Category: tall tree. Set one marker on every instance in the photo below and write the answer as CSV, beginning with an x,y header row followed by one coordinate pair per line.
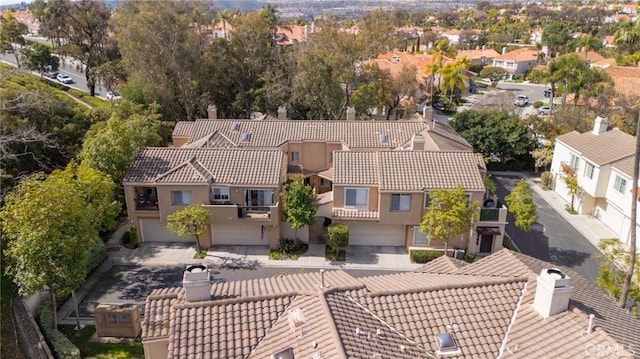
x,y
298,202
449,216
556,36
494,74
521,206
191,221
573,187
49,223
12,34
38,57
82,28
612,276
453,78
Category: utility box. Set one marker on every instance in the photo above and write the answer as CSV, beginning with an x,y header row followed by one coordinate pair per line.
x,y
117,320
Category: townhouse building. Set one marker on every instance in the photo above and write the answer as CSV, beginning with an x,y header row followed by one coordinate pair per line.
x,y
602,162
374,176
517,61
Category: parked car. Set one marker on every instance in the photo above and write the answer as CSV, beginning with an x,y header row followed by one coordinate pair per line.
x,y
440,106
52,74
521,101
64,78
547,93
545,110
113,95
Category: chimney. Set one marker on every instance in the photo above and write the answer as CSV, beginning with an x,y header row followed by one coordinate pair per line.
x,y
552,292
351,114
417,142
196,283
504,50
600,125
282,113
212,112
427,113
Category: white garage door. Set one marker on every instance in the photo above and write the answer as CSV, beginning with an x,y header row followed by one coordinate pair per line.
x,y
371,234
153,230
612,217
241,235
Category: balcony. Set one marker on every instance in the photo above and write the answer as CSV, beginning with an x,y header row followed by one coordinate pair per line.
x,y
144,203
225,212
493,212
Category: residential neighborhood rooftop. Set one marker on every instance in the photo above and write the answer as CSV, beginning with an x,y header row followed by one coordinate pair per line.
x,y
487,307
603,148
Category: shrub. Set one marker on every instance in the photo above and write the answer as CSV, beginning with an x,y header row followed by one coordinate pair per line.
x,y
546,179
537,104
288,249
423,255
338,236
97,255
130,239
334,255
62,347
469,257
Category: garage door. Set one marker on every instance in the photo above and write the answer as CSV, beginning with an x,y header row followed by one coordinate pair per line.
x,y
371,234
241,235
611,216
153,230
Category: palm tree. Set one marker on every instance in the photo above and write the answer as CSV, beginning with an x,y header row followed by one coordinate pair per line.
x,y
440,50
627,38
454,78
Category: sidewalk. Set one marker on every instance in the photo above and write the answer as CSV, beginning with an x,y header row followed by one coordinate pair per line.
x,y
590,227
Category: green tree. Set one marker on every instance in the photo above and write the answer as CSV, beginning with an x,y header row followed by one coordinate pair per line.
x,y
615,264
495,134
82,27
543,156
49,232
521,206
383,89
449,216
191,220
556,36
494,74
627,38
573,188
12,34
338,236
298,202
110,147
38,57
453,78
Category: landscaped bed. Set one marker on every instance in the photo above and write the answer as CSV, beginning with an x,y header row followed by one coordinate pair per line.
x,y
80,338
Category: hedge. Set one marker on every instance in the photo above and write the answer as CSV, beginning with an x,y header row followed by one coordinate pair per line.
x,y
97,254
423,255
61,347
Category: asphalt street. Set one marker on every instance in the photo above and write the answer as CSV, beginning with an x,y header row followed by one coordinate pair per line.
x,y
552,238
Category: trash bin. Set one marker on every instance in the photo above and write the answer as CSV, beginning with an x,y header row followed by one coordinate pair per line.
x,y
458,254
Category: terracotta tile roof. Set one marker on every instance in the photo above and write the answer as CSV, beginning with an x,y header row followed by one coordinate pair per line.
x,y
409,171
341,213
183,129
442,137
522,54
487,305
626,79
442,265
214,140
590,56
188,165
601,149
478,54
327,173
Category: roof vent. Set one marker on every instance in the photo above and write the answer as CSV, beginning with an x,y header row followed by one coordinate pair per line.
x,y
235,126
196,283
447,345
283,354
552,292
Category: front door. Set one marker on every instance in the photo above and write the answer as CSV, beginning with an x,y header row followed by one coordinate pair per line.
x,y
486,243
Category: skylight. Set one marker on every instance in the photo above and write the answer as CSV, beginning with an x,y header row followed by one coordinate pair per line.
x,y
283,354
384,138
235,126
447,344
246,137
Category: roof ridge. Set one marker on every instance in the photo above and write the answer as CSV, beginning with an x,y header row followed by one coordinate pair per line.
x,y
198,166
332,324
485,281
240,299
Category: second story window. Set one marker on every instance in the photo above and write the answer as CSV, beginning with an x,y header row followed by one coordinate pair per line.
x,y
620,184
400,202
589,170
427,200
356,197
181,197
295,156
220,194
575,162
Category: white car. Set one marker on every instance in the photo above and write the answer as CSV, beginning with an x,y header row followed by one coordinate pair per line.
x,y
64,78
113,95
546,110
521,101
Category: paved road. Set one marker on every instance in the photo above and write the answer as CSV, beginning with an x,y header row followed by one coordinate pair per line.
x,y
552,239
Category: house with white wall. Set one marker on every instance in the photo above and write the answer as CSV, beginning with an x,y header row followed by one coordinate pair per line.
x,y
602,162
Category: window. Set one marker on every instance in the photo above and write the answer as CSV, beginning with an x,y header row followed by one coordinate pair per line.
x,y
589,171
125,318
113,318
324,182
575,162
400,202
330,157
259,197
427,200
356,197
181,197
220,194
295,156
620,184
419,238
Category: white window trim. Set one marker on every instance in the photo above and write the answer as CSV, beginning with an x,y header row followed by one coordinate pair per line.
x,y
589,166
182,202
618,182
222,190
356,205
295,156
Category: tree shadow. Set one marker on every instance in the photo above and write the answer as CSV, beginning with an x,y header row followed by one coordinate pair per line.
x,y
567,257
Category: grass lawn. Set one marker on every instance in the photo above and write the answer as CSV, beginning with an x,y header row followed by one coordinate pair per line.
x,y
80,338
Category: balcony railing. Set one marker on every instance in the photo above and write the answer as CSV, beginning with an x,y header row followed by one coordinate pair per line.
x,y
146,204
489,214
233,211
